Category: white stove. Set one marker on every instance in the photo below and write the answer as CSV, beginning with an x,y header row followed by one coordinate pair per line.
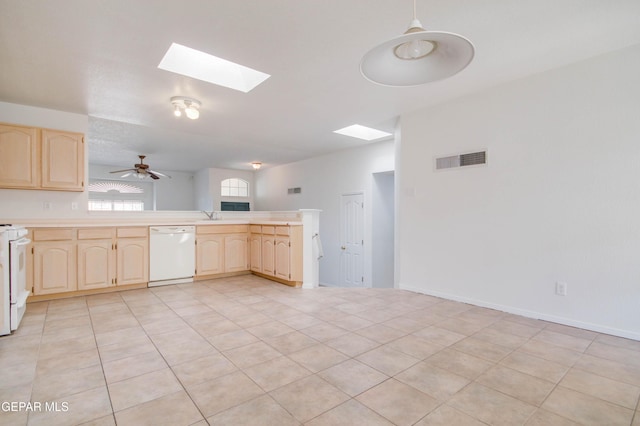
x,y
13,276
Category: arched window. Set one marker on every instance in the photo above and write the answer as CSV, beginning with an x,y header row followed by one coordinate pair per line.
x,y
117,195
234,187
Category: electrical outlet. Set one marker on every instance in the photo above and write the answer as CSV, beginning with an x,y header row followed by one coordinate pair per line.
x,y
561,288
46,205
74,206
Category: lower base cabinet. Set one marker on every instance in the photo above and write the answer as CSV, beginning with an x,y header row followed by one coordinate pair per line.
x,y
236,253
132,261
280,252
78,259
65,260
221,249
255,250
54,267
209,254
96,265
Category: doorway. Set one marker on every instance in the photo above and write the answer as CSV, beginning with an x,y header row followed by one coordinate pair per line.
x,y
352,240
383,221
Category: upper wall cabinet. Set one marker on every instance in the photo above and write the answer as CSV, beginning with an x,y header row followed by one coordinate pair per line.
x,y
33,158
62,160
19,157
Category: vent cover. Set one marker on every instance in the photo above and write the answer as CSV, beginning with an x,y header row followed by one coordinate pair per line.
x,y
297,190
461,160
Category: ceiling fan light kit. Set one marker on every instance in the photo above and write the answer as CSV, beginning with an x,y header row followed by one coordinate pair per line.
x,y
141,171
190,107
417,57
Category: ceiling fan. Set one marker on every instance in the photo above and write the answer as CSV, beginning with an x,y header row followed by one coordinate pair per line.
x,y
141,171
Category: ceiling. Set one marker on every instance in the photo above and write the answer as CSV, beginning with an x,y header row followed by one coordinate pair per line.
x,y
100,58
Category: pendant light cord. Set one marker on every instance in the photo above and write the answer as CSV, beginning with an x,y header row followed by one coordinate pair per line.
x,y
415,14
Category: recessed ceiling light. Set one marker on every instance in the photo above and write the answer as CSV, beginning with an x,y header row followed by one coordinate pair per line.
x,y
202,66
362,132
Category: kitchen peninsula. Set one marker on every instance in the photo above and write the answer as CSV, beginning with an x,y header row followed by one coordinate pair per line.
x,y
110,251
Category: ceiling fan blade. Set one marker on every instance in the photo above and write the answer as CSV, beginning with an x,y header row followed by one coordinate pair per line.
x,y
153,176
127,174
125,170
159,174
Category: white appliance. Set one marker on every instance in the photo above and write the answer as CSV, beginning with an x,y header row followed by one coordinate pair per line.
x,y
172,254
13,277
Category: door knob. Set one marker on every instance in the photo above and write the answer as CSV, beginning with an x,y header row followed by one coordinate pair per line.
x,y
343,248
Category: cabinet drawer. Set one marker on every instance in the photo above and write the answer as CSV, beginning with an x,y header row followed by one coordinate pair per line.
x,y
270,230
222,229
95,233
255,229
282,230
53,234
133,232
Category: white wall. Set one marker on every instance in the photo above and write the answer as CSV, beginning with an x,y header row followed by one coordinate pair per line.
x,y
207,184
323,179
558,201
17,203
383,217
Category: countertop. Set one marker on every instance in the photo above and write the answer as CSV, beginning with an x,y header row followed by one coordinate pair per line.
x,y
104,223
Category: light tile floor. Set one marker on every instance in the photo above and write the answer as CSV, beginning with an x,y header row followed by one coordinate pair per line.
x,y
247,351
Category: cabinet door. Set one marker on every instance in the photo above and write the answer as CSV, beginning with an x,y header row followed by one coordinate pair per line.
x,y
62,160
282,258
236,248
132,261
209,255
19,165
255,250
96,264
55,267
268,255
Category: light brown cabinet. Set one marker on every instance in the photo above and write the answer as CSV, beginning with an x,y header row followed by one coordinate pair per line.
x,y
280,253
236,253
19,157
221,249
268,254
132,253
283,258
96,258
95,265
78,259
34,158
209,254
133,261
54,261
255,251
62,160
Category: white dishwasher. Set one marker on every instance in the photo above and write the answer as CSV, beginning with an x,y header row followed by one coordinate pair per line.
x,y
172,254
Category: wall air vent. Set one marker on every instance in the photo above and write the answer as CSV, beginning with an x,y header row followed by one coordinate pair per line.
x,y
297,190
461,160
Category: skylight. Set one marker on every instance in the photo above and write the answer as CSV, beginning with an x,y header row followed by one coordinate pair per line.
x,y
362,132
202,66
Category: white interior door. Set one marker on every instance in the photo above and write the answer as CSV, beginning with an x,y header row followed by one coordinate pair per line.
x,y
352,240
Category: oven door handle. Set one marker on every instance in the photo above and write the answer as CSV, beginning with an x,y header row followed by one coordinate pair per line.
x,y
21,242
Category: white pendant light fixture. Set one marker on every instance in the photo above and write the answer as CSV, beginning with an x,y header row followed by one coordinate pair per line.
x,y
417,57
191,107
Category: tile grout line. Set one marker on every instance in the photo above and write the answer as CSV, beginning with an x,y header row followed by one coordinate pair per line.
x,y
106,385
35,373
186,391
289,304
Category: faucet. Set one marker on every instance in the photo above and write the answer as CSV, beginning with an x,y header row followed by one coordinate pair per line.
x,y
212,215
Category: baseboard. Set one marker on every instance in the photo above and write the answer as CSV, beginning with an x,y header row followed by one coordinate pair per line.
x,y
627,334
